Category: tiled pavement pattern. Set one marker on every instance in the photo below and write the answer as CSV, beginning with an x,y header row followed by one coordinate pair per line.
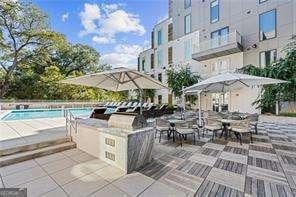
x,y
267,167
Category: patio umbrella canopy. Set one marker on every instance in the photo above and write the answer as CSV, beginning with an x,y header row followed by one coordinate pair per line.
x,y
226,82
118,79
230,81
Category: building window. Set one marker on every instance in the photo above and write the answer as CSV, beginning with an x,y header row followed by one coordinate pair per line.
x,y
267,57
152,61
187,50
159,58
219,37
187,3
267,25
159,99
262,1
170,32
143,64
214,12
170,55
159,37
160,77
139,64
152,39
187,21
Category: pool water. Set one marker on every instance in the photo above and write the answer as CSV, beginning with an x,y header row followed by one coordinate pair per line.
x,y
44,113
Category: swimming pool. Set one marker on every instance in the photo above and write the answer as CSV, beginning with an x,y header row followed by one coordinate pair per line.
x,y
44,113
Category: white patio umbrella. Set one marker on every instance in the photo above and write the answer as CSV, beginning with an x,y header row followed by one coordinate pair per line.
x,y
228,81
118,79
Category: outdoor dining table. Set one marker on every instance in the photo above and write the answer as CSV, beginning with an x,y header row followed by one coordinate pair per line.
x,y
225,124
173,122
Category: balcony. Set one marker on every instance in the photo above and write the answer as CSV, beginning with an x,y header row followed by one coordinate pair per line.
x,y
217,47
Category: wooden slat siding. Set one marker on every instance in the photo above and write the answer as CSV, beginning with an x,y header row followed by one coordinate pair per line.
x,y
210,152
262,149
236,150
155,170
283,147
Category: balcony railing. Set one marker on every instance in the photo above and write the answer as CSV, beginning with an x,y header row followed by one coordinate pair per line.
x,y
219,46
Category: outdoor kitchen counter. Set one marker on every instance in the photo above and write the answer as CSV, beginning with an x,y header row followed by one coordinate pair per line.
x,y
126,149
102,126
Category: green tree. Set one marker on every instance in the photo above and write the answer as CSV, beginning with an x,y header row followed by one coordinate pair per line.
x,y
284,69
177,79
24,33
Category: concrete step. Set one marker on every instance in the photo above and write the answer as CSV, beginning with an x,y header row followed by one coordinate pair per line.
x,y
30,147
31,154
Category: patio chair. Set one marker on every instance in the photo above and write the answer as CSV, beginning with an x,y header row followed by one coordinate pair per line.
x,y
240,128
254,121
213,125
182,130
162,126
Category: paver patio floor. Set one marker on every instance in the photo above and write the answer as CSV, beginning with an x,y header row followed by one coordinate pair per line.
x,y
264,168
21,132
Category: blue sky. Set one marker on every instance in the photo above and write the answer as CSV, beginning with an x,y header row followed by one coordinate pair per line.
x,y
119,30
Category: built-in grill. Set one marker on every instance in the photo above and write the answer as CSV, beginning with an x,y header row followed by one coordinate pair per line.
x,y
129,121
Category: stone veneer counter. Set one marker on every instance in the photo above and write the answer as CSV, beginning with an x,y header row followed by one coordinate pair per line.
x,y
124,148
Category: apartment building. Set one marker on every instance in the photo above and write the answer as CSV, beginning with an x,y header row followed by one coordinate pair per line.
x,y
223,36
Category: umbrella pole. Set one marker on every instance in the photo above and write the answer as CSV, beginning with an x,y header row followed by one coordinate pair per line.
x,y
141,101
199,109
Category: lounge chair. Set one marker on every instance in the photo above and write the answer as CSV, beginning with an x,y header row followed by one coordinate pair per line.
x,y
149,112
99,113
129,104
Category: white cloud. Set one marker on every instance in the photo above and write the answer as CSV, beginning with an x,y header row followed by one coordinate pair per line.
x,y
89,18
65,17
103,40
107,21
124,55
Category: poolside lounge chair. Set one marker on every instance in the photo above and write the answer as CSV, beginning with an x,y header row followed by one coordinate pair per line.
x,y
99,113
150,112
129,104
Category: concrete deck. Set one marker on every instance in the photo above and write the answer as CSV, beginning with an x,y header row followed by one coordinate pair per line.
x,y
22,132
225,168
